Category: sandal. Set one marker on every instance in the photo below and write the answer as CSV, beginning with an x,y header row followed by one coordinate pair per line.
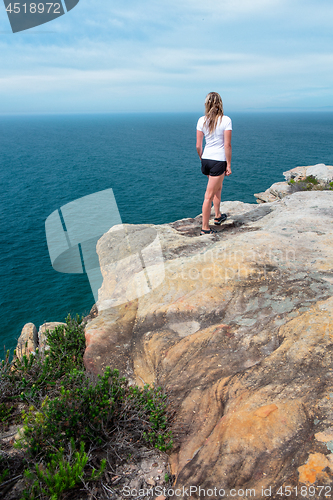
x,y
209,231
218,220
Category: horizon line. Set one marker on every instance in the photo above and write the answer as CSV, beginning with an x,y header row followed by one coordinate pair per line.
x,y
324,109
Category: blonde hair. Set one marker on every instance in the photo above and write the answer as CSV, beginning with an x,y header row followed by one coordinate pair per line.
x,y
213,110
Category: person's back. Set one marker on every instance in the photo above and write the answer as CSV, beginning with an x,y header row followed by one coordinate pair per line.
x,y
214,148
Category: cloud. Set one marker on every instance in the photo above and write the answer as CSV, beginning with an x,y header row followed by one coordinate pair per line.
x,y
104,68
263,49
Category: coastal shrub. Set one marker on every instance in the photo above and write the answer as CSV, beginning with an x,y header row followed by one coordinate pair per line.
x,y
5,412
59,474
62,407
5,385
80,410
153,402
96,412
309,183
66,346
310,179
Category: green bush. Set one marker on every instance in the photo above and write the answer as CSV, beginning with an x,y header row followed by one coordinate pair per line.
x,y
310,179
5,412
152,402
89,411
63,404
5,385
59,474
80,411
66,347
309,183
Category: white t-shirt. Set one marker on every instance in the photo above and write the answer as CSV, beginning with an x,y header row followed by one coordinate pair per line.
x,y
214,149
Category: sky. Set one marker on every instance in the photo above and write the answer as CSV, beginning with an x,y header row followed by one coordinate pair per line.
x,y
154,56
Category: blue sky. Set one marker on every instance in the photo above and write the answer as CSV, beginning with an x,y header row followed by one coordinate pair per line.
x,y
149,55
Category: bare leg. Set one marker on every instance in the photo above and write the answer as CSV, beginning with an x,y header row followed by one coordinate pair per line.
x,y
213,187
217,200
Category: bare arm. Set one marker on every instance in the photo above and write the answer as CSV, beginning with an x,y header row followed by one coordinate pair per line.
x,y
227,150
200,136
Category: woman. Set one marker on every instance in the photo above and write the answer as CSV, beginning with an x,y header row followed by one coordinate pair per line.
x,y
216,157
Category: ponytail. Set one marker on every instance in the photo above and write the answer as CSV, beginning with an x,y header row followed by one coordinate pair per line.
x,y
213,110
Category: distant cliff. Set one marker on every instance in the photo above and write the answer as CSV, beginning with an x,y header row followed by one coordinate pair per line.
x,y
314,177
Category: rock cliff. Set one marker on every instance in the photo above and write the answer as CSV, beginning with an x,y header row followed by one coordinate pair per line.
x,y
238,327
321,174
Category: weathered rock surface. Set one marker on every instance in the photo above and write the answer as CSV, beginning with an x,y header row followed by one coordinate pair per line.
x,y
238,327
31,339
27,341
322,173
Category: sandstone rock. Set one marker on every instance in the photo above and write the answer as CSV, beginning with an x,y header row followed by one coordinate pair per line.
x,y
320,171
314,469
264,411
296,173
323,173
239,331
277,191
280,189
27,341
265,197
325,436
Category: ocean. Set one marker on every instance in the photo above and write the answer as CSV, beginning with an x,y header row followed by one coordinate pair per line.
x,y
150,162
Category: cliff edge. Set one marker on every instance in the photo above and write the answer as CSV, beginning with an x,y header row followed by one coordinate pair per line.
x,y
238,328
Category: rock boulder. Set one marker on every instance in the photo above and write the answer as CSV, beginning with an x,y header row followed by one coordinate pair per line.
x,y
27,341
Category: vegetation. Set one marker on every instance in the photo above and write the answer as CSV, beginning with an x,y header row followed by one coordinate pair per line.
x,y
59,474
70,418
309,183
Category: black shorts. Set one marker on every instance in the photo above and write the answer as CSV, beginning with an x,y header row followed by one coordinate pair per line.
x,y
213,167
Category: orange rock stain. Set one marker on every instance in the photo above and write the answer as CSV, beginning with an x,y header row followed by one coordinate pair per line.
x,y
264,411
313,469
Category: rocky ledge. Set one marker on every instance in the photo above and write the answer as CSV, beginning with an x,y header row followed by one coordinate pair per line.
x,y
238,328
296,180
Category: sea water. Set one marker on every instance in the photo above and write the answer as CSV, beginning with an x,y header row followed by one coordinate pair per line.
x,y
151,164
